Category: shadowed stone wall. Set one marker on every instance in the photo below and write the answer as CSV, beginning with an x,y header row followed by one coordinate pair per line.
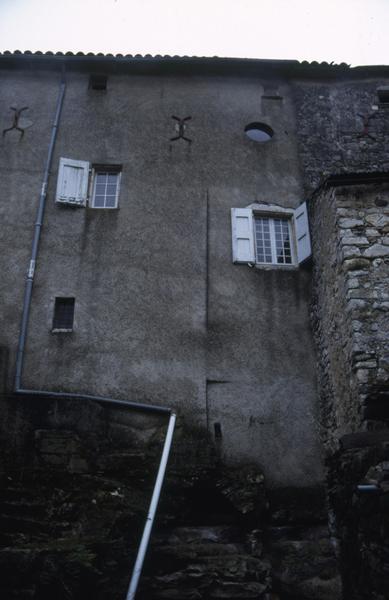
x,y
342,128
351,271
76,482
350,231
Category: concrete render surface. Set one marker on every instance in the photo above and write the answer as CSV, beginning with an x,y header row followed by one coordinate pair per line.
x,y
162,315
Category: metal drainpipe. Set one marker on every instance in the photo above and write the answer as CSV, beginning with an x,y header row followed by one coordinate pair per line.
x,y
72,396
35,242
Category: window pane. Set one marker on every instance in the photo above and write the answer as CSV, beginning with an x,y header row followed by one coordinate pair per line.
x,y
110,201
99,201
272,240
105,189
100,189
282,241
111,190
262,240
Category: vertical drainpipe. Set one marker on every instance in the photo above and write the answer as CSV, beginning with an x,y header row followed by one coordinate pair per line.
x,y
64,395
35,242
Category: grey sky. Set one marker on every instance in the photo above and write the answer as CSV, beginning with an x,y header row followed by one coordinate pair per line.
x,y
352,31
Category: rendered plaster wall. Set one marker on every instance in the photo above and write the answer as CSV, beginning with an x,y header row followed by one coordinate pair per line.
x,y
161,314
350,227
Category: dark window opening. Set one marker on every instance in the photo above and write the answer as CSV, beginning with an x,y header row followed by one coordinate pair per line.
x,y
272,97
383,95
63,314
98,82
218,431
259,132
377,403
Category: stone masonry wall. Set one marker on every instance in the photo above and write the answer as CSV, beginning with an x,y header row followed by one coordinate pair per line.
x,y
350,232
342,128
360,516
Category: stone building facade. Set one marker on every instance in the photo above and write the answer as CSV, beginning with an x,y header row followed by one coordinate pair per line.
x,y
275,358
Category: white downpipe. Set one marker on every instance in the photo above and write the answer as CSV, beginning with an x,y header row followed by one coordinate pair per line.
x,y
152,510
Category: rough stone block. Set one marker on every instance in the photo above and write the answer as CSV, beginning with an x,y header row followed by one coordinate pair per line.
x,y
356,325
350,252
382,306
362,375
366,364
361,293
377,220
347,212
371,232
354,264
352,283
377,250
356,304
349,223
354,241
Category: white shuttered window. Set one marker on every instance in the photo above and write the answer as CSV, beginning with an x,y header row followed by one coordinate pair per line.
x,y
242,235
72,183
303,238
270,235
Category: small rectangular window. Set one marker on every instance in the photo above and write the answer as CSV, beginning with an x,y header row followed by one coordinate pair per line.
x,y
63,315
218,431
106,183
98,82
383,95
273,241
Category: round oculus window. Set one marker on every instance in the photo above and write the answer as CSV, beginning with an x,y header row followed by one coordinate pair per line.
x,y
259,132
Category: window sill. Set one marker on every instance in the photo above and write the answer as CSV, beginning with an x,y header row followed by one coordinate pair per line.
x,y
103,207
271,267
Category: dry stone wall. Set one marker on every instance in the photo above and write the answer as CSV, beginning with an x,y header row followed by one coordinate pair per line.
x,y
350,231
358,486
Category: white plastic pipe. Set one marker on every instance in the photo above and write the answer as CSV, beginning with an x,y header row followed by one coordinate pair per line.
x,y
152,510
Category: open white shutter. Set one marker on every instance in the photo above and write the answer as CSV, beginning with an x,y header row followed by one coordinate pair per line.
x,y
303,239
72,183
242,235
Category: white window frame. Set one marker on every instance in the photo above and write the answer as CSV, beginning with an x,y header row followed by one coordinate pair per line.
x,y
244,246
272,217
76,182
104,169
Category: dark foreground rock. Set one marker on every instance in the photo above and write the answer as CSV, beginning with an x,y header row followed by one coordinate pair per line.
x,y
74,496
